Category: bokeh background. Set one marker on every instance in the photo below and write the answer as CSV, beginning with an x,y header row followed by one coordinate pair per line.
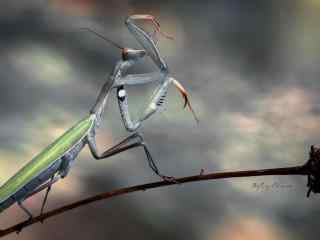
x,y
252,70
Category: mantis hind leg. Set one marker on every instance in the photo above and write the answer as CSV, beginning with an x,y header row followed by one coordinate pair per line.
x,y
133,141
43,186
25,209
46,195
37,190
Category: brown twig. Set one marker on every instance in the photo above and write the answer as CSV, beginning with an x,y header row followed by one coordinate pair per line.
x,y
311,168
276,171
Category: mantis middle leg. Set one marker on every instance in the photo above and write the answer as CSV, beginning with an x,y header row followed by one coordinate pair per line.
x,y
133,141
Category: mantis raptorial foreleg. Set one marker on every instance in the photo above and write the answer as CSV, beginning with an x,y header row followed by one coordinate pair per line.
x,y
160,94
133,141
155,103
133,79
157,99
145,40
149,45
150,49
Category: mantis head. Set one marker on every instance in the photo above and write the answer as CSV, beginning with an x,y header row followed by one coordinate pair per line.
x,y
132,54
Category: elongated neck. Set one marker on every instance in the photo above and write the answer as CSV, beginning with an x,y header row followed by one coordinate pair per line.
x,y
101,101
120,68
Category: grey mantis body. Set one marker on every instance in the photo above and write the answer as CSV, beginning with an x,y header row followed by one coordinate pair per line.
x,y
55,161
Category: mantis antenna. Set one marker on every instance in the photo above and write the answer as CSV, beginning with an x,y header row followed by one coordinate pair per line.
x,y
104,38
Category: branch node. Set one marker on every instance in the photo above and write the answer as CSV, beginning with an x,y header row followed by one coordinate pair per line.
x,y
313,167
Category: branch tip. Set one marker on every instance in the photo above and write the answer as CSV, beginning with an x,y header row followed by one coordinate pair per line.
x,y
313,170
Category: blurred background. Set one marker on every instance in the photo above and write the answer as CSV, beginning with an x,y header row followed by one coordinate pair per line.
x,y
251,68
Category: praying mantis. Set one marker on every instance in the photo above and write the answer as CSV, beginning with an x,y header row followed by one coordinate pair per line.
x,y
55,161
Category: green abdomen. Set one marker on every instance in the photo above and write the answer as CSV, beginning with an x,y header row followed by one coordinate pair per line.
x,y
45,158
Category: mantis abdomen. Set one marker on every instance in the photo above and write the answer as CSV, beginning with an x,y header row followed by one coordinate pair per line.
x,y
42,167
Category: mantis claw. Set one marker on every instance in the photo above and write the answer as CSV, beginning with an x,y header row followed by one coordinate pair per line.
x,y
157,26
184,94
